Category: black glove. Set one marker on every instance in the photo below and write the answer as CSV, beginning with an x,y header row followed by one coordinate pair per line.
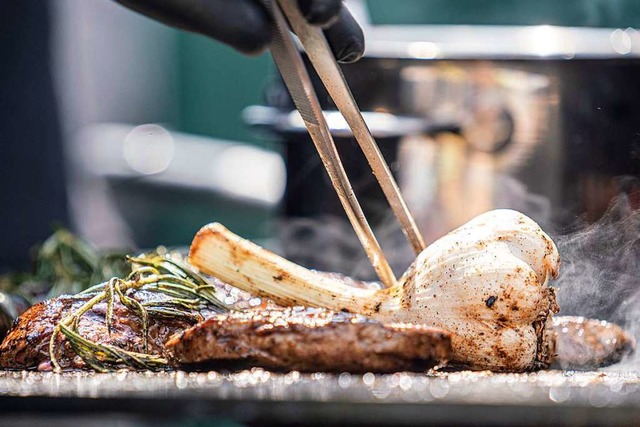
x,y
245,24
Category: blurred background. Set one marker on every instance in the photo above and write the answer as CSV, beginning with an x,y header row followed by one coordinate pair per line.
x,y
133,134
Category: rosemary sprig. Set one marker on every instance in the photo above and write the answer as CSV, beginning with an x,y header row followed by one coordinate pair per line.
x,y
64,264
183,293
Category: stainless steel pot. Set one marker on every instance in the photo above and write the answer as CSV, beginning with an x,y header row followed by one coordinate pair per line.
x,y
542,119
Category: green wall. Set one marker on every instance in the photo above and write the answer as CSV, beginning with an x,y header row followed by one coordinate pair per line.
x,y
215,84
592,13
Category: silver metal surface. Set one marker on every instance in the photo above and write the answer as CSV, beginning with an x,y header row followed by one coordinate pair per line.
x,y
475,398
501,42
551,139
381,125
289,62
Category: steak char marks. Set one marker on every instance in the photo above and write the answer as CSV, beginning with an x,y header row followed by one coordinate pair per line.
x,y
309,339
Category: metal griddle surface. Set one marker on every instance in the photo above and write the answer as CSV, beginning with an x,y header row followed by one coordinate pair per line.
x,y
569,398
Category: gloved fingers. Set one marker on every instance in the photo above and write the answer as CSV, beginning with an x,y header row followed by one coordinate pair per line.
x,y
245,24
320,12
242,24
345,38
343,33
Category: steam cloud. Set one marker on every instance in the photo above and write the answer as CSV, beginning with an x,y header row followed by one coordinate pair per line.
x,y
600,271
328,243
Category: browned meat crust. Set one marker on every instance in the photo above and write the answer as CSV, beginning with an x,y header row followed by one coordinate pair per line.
x,y
588,343
26,346
307,339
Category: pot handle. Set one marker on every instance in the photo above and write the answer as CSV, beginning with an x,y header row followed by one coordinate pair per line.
x,y
382,125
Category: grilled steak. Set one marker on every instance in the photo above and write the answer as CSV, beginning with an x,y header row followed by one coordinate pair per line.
x,y
588,343
307,339
26,346
294,338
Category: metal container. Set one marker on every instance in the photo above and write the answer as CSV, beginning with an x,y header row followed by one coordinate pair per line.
x,y
540,119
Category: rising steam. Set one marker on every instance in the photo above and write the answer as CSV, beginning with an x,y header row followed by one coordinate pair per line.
x,y
600,271
328,243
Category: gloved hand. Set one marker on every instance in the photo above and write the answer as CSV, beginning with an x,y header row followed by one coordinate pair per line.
x,y
245,24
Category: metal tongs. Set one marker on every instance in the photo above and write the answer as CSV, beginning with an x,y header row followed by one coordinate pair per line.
x,y
289,61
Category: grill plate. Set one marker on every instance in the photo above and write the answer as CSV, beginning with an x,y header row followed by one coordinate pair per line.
x,y
470,398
